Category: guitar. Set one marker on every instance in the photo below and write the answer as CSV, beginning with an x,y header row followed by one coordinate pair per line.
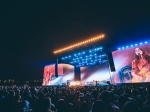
x,y
143,76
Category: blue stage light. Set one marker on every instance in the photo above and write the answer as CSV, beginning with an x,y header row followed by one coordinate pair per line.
x,y
131,45
101,48
146,42
122,47
141,43
104,55
136,44
95,54
90,51
119,48
127,46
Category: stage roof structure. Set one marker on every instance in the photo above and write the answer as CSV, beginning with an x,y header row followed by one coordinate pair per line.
x,y
85,53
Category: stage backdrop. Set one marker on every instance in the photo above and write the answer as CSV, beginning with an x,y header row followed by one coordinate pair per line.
x,y
65,72
99,72
123,64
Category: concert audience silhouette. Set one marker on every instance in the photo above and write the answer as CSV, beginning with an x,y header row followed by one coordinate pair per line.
x,y
75,99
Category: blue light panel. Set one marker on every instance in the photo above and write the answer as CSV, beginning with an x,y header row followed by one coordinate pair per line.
x,y
133,45
87,57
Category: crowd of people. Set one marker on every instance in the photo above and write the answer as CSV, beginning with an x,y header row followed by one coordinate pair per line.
x,y
75,99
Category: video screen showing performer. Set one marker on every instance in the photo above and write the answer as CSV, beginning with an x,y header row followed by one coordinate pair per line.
x,y
49,71
132,64
93,73
65,72
141,66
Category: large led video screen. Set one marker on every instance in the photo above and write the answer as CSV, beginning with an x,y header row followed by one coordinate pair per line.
x,y
65,72
132,64
93,73
68,73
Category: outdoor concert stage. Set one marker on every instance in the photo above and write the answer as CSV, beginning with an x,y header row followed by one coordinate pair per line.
x,y
93,61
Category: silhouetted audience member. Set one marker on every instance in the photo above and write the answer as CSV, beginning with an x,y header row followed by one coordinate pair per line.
x,y
83,107
61,106
121,101
98,106
46,106
130,107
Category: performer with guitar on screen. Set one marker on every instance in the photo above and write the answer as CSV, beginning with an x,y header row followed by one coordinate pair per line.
x,y
47,77
141,66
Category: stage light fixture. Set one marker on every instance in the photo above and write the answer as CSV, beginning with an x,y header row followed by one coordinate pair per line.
x,y
78,44
85,57
141,43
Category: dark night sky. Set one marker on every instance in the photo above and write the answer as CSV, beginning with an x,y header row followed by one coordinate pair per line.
x,y
30,31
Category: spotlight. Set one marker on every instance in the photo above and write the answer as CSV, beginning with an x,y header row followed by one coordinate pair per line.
x,y
146,42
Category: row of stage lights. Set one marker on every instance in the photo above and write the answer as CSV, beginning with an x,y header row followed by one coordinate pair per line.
x,y
85,58
80,43
90,57
74,61
91,63
133,45
92,52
